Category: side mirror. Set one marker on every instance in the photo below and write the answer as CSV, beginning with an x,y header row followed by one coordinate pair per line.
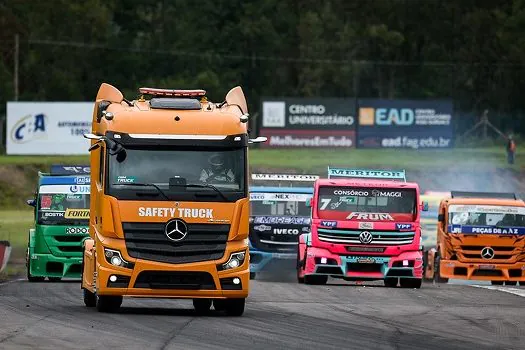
x,y
441,218
424,207
31,202
259,139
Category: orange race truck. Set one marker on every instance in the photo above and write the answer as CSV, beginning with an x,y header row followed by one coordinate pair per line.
x,y
169,207
480,236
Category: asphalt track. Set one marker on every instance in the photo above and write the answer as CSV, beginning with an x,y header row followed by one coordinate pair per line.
x,y
279,315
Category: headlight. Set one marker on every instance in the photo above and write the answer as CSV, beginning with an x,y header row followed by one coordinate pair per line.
x,y
235,260
115,258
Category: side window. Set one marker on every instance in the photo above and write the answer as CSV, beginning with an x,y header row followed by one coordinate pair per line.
x,y
101,167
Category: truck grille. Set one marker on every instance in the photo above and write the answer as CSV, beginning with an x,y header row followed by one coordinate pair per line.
x,y
275,244
148,241
378,237
192,280
502,254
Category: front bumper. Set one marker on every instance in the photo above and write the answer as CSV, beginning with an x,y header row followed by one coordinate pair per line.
x,y
259,259
408,264
482,272
156,279
48,265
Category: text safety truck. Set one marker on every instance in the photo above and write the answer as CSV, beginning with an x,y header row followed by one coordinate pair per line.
x,y
279,214
365,226
169,199
61,211
480,236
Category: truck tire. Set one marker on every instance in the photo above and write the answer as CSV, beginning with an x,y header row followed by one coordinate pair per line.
x,y
54,279
410,282
108,303
299,267
252,275
202,306
437,272
28,269
235,307
496,283
391,282
316,279
90,299
511,283
219,304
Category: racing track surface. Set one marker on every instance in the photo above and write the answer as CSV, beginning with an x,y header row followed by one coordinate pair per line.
x,y
279,315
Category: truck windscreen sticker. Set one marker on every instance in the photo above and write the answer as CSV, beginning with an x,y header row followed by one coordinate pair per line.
x,y
370,216
300,197
486,230
281,220
123,179
64,189
486,209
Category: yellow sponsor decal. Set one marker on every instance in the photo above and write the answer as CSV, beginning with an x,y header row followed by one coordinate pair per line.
x,y
77,214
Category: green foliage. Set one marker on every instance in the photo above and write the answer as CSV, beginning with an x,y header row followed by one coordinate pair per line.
x,y
470,51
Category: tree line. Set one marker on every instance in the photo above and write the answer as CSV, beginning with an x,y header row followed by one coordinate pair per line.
x,y
471,51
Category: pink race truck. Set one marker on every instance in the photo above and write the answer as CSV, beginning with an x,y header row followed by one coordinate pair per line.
x,y
365,226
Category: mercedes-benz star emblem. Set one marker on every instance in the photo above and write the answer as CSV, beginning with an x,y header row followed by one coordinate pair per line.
x,y
487,253
176,230
365,237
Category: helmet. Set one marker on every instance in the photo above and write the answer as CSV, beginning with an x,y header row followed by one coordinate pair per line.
x,y
216,161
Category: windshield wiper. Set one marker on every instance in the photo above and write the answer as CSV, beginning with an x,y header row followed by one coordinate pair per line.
x,y
145,185
203,186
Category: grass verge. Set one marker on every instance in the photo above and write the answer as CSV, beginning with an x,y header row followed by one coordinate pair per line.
x,y
14,227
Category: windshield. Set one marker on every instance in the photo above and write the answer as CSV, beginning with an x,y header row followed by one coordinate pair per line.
x,y
279,204
486,215
374,204
63,208
210,170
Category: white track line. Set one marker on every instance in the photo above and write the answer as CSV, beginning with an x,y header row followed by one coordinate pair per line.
x,y
516,291
12,281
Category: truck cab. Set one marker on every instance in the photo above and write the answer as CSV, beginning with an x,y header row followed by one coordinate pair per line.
x,y
365,226
169,199
61,213
279,214
480,236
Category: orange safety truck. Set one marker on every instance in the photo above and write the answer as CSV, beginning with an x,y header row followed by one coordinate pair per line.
x,y
169,207
480,236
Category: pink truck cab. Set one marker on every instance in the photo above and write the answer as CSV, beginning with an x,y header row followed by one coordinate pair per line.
x,y
365,226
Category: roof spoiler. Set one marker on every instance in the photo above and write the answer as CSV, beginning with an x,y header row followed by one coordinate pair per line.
x,y
70,170
342,173
495,195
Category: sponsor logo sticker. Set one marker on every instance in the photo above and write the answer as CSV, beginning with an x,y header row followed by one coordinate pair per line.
x,y
370,216
180,212
366,225
402,227
326,223
77,214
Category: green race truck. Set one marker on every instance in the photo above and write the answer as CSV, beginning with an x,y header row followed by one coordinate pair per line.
x,y
61,211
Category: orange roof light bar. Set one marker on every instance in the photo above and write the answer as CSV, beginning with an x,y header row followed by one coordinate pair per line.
x,y
172,92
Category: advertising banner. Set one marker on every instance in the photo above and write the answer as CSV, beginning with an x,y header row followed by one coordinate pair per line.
x,y
52,128
308,122
414,124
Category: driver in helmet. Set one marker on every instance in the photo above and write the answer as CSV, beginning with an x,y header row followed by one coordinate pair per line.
x,y
217,171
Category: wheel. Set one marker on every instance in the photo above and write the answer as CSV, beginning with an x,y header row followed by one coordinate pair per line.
x,y
202,306
300,279
391,282
90,299
54,279
252,275
28,269
496,283
108,303
511,283
219,304
410,283
316,279
235,307
437,273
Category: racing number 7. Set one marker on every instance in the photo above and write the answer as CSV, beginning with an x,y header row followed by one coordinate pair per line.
x,y
325,202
